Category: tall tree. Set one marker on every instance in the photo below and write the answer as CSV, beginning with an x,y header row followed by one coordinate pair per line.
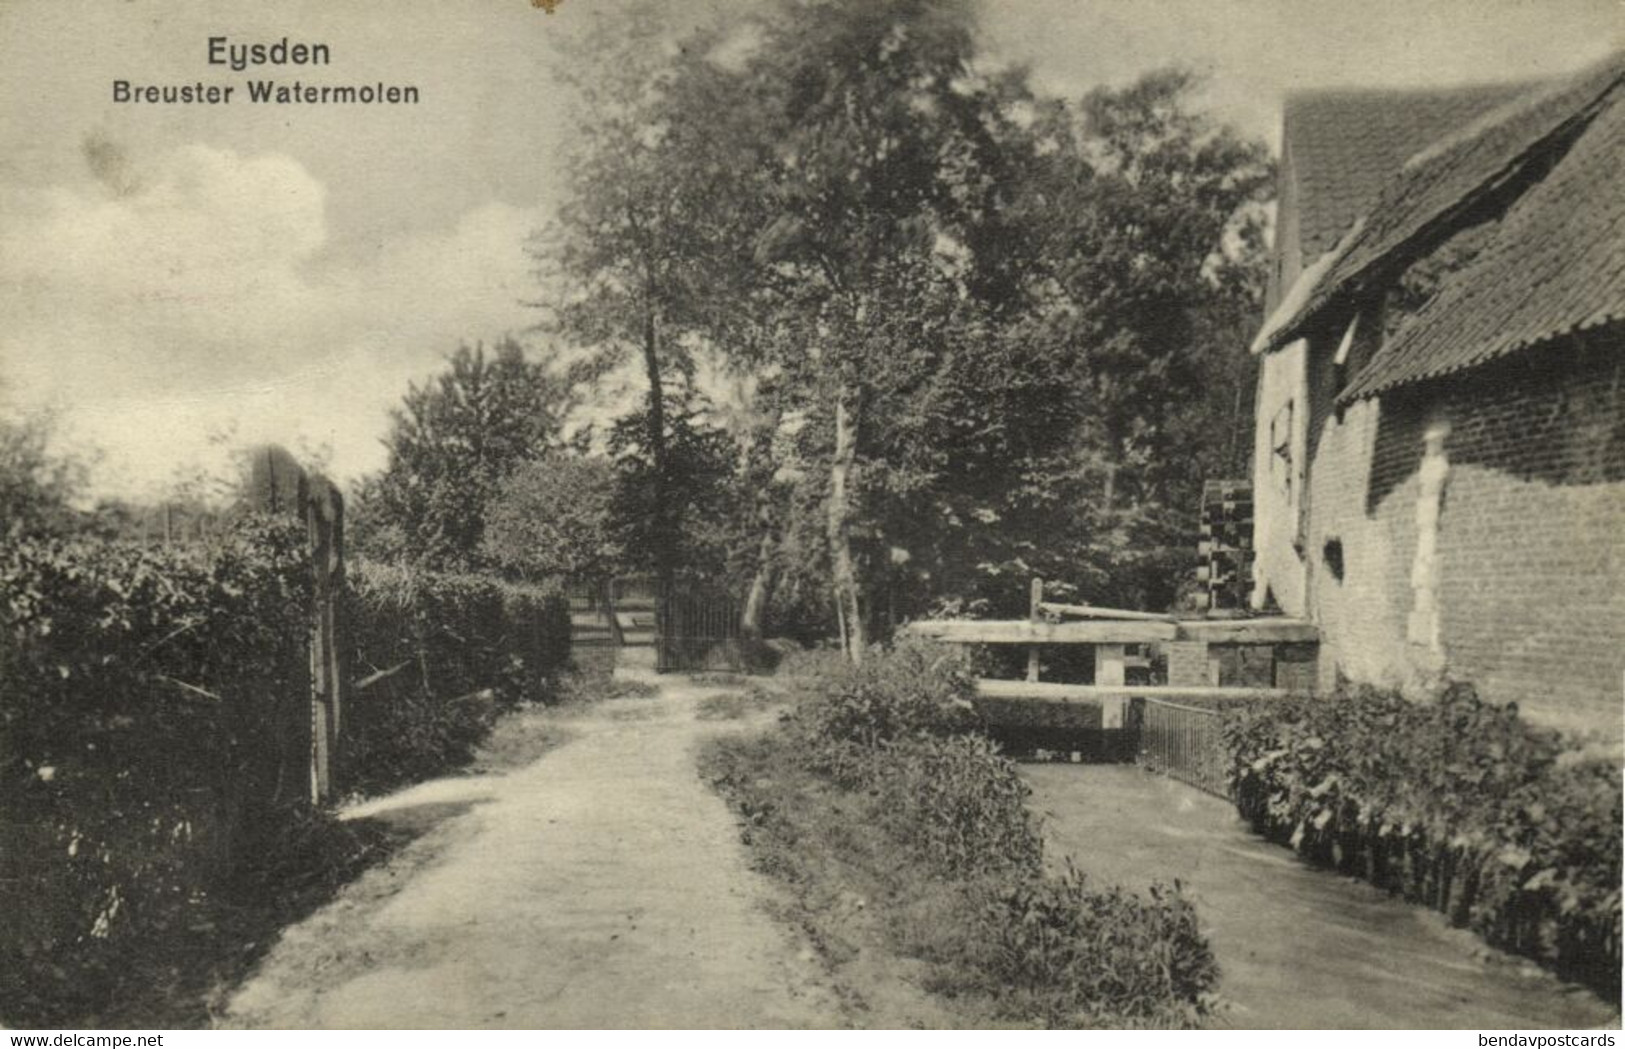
x,y
452,443
884,173
700,464
633,263
1146,219
991,332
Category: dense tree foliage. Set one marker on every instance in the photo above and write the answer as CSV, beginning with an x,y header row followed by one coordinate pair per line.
x,y
452,443
628,263
555,517
1148,256
989,333
698,469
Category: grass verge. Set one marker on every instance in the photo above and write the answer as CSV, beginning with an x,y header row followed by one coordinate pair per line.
x,y
178,976
736,706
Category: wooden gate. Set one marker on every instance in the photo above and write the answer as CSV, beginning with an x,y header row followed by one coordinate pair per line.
x,y
697,628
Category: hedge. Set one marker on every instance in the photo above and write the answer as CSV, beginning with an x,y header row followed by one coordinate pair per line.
x,y
155,731
151,703
436,656
1511,830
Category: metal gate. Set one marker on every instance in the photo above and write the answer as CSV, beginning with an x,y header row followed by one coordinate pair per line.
x,y
697,628
1186,743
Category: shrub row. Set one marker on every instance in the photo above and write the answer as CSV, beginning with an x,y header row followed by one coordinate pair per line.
x,y
436,657
901,732
1511,830
155,719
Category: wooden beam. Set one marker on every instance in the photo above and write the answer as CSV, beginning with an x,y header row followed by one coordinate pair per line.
x,y
374,678
1094,612
1022,632
1051,692
1248,631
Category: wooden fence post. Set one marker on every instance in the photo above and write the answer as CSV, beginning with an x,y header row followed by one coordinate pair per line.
x,y
1034,614
324,521
606,598
279,485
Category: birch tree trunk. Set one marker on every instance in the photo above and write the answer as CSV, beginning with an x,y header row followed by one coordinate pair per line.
x,y
750,622
843,570
759,458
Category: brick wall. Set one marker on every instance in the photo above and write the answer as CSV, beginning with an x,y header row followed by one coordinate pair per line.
x,y
1187,663
1528,574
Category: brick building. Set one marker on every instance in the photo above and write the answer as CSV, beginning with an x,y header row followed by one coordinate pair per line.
x,y
1439,471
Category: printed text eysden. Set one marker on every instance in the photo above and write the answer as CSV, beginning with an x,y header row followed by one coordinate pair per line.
x,y
240,57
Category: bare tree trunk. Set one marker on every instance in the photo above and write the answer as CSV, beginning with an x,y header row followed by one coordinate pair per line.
x,y
656,426
842,564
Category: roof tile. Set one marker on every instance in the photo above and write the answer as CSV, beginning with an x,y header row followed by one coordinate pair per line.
x,y
1346,144
1554,263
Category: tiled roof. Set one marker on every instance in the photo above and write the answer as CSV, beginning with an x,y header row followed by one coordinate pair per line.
x,y
1346,143
1438,190
1554,263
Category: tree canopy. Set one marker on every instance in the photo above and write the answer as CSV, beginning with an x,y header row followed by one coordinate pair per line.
x,y
38,484
989,333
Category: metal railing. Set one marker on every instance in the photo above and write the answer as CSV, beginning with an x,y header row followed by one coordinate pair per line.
x,y
698,629
1186,743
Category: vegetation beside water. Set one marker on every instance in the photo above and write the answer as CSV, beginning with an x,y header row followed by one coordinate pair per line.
x,y
897,827
1511,830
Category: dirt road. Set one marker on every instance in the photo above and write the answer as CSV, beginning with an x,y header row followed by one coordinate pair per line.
x,y
601,885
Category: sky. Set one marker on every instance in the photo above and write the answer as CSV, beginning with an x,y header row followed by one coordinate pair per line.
x,y
174,279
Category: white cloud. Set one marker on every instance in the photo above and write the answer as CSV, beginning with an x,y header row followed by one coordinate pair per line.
x,y
199,299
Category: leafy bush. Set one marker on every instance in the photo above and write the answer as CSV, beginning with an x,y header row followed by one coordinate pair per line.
x,y
917,687
156,717
1511,830
155,707
812,664
1075,955
960,803
732,706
